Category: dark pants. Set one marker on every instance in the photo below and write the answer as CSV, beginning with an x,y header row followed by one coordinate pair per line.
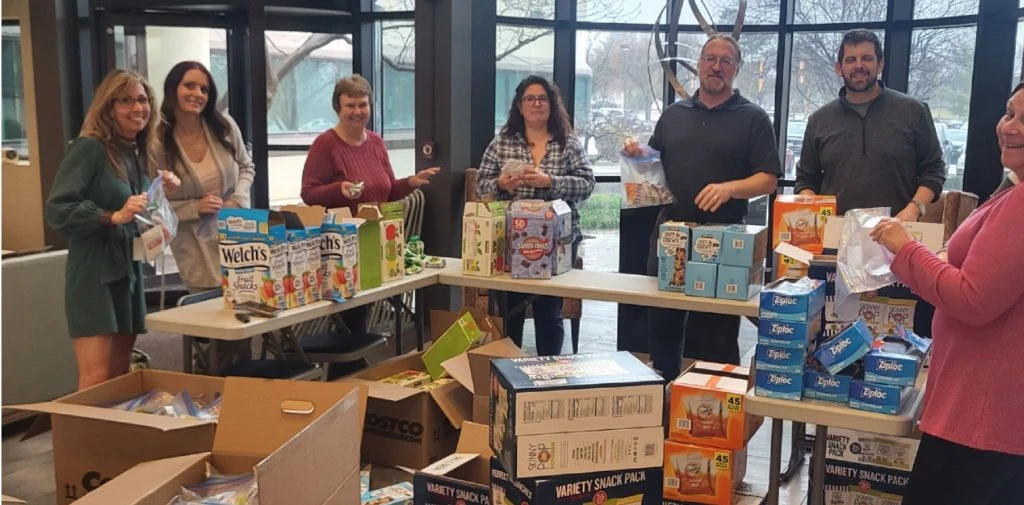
x,y
548,326
356,319
946,473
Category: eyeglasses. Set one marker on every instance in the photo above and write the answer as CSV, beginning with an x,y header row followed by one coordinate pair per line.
x,y
535,99
130,101
711,60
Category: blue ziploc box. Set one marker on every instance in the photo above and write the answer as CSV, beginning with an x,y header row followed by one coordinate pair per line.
x,y
706,243
880,398
701,279
846,348
744,246
779,359
825,386
793,299
784,386
738,283
791,334
891,368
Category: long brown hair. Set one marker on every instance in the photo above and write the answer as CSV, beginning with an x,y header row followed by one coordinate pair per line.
x,y
558,121
100,122
213,118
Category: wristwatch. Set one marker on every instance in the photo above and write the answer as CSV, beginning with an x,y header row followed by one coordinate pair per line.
x,y
920,207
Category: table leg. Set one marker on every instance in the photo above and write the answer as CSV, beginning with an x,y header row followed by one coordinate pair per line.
x,y
775,464
817,491
420,317
798,446
186,356
214,359
396,303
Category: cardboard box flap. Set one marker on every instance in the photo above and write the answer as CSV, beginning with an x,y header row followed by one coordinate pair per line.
x,y
150,483
308,216
259,415
455,402
369,212
472,369
474,438
8,499
388,392
310,463
715,382
447,464
162,423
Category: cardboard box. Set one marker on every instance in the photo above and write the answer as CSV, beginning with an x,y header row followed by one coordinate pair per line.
x,y
292,434
891,368
673,253
880,398
628,487
304,283
557,454
795,300
789,334
698,474
253,256
540,238
481,409
483,238
339,254
406,426
706,243
867,469
10,500
779,358
824,386
846,348
738,283
93,444
371,246
408,378
472,369
462,478
455,340
786,267
880,451
784,386
701,279
744,246
708,409
395,494
392,232
800,220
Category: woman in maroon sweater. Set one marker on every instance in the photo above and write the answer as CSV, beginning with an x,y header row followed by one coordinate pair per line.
x,y
348,154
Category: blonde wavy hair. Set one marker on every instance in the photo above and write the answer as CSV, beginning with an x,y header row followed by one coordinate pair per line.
x,y
100,123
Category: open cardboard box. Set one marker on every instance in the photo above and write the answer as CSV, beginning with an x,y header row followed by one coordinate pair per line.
x,y
472,369
5,500
460,478
93,444
294,435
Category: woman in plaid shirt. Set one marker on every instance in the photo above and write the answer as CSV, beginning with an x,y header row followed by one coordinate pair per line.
x,y
538,134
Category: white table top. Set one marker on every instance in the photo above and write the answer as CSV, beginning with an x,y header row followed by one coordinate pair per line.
x,y
604,286
212,319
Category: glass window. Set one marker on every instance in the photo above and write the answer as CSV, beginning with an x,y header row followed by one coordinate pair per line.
x,y
716,12
927,9
1018,55
839,11
13,129
941,68
394,5
520,51
538,9
395,93
285,177
303,69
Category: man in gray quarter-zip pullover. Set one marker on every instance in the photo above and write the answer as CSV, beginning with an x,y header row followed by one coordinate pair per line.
x,y
872,146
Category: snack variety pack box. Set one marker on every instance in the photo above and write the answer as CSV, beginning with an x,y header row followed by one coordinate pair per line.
x,y
483,238
540,238
744,246
706,242
339,255
738,283
844,349
800,220
253,256
673,251
698,474
701,279
796,300
392,232
708,409
626,487
867,469
784,386
791,334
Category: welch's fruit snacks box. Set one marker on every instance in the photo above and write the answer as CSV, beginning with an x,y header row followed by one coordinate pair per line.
x,y
540,239
253,256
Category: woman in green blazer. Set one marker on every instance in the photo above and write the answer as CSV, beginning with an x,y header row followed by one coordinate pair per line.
x,y
100,186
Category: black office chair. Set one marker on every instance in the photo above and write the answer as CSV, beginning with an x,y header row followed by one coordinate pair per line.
x,y
330,344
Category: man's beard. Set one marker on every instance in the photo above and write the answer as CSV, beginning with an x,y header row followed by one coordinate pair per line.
x,y
715,88
868,84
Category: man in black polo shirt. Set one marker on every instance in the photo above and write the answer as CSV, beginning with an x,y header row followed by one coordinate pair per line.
x,y
718,149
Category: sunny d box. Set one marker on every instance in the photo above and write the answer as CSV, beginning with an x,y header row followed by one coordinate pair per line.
x,y
623,487
295,436
253,256
93,444
462,478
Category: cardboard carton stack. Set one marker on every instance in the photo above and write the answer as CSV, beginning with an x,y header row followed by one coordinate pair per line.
x,y
788,328
715,261
705,454
576,429
800,221
867,469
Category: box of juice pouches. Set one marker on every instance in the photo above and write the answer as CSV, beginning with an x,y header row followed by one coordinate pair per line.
x,y
673,253
253,256
483,238
303,284
540,238
339,254
392,233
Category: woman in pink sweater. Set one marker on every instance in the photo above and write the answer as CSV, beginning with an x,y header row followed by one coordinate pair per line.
x,y
972,449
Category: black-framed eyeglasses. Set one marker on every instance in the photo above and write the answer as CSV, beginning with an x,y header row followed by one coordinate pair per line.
x,y
536,99
130,101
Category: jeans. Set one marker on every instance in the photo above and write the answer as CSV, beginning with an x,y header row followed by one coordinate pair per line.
x,y
548,325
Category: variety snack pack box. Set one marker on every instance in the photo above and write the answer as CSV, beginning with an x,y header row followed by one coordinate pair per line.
x,y
712,261
539,238
483,238
699,474
624,487
867,469
253,256
462,478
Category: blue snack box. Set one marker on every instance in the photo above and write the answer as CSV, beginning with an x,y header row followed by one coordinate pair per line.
x,y
891,368
880,398
842,351
779,359
824,386
794,335
784,386
673,253
706,243
701,279
744,246
738,283
793,299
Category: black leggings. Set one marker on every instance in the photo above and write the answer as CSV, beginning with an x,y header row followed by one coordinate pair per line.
x,y
548,326
946,473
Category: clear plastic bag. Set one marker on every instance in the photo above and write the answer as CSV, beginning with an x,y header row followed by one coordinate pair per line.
x,y
220,489
161,403
158,212
643,180
863,264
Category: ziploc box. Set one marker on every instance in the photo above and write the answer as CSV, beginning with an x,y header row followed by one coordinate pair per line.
x,y
795,300
846,348
462,478
891,368
706,242
701,279
738,283
791,334
253,256
779,359
784,386
698,474
339,255
880,398
744,246
707,408
623,487
483,238
673,251
302,225
392,232
824,386
540,238
546,409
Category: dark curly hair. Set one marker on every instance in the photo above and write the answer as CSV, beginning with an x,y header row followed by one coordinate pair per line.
x,y
558,121
214,119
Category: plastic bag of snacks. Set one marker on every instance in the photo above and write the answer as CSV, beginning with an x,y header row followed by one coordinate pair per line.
x,y
643,180
416,259
219,489
162,403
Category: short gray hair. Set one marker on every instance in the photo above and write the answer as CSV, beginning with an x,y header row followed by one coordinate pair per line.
x,y
732,42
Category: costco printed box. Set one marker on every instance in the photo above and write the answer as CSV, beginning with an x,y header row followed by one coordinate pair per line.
x,y
539,238
339,255
483,238
698,474
673,251
627,487
867,469
303,284
462,478
253,256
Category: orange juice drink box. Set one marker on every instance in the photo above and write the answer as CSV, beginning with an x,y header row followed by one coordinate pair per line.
x,y
708,408
253,256
698,474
